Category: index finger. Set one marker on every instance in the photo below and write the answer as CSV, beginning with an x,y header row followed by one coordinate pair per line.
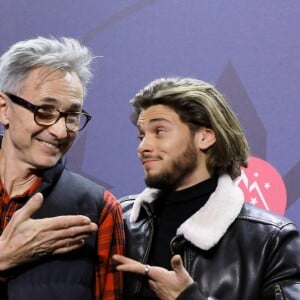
x,y
129,265
30,207
64,222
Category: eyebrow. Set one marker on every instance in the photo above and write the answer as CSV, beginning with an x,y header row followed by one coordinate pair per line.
x,y
54,101
155,120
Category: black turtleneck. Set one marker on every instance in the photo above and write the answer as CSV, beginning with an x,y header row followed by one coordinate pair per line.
x,y
171,210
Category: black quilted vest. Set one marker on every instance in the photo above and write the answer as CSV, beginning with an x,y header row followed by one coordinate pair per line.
x,y
69,276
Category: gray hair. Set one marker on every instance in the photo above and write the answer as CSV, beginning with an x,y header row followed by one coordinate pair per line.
x,y
58,54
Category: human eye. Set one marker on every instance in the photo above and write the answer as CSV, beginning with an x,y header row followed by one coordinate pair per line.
x,y
160,131
140,136
46,112
74,117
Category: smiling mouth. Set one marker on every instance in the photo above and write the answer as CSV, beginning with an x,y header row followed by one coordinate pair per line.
x,y
149,162
50,145
144,161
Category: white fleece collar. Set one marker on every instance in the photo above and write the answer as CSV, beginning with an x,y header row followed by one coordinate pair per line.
x,y
206,227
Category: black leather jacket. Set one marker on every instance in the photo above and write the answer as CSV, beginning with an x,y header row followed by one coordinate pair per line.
x,y
239,253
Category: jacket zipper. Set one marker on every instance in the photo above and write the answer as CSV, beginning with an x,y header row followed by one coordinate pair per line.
x,y
278,292
149,213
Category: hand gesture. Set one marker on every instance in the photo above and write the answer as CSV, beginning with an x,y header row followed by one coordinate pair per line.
x,y
25,239
167,285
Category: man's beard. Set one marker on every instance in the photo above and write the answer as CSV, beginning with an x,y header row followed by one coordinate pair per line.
x,y
181,167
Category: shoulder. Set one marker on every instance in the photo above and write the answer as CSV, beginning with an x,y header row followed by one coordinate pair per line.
x,y
255,214
261,222
273,235
128,198
127,203
79,182
111,201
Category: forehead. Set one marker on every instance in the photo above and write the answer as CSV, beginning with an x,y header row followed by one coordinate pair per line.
x,y
42,83
157,113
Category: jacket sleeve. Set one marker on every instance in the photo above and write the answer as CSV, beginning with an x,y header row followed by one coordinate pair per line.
x,y
193,293
282,279
282,273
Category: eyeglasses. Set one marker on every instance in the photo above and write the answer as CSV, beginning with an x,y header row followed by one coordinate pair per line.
x,y
45,115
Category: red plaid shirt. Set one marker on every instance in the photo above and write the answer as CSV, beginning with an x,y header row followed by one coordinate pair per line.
x,y
108,281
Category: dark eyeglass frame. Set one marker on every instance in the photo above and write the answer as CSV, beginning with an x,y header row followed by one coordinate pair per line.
x,y
34,108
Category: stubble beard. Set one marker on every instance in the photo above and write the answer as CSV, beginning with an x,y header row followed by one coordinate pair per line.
x,y
182,166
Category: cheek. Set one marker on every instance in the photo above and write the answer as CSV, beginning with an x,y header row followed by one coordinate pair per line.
x,y
25,119
176,145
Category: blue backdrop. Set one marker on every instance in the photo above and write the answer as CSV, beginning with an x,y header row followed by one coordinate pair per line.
x,y
249,49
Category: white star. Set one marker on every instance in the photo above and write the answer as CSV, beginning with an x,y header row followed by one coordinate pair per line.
x,y
253,201
267,185
256,174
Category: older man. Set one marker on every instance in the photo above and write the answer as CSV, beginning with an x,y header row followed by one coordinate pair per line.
x,y
42,84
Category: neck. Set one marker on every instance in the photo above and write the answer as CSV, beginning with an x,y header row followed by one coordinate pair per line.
x,y
15,177
193,179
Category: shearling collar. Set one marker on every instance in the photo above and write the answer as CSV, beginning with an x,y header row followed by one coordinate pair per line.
x,y
206,227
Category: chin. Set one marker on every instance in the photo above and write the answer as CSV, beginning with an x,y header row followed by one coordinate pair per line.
x,y
47,163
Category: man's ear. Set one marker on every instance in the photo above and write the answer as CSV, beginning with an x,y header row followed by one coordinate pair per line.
x,y
3,109
205,138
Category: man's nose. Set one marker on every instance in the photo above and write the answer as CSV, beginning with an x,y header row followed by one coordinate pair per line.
x,y
59,128
145,145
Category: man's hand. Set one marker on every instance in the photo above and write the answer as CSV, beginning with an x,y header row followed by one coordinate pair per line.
x,y
167,285
25,239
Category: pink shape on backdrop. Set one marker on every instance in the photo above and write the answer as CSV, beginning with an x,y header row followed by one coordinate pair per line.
x,y
263,186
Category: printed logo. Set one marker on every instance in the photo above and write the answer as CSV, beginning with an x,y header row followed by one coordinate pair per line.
x,y
263,186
